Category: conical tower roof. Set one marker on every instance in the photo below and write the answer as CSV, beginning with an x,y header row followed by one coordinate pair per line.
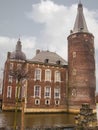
x,y
80,23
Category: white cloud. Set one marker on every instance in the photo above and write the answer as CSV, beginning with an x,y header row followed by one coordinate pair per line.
x,y
58,20
8,44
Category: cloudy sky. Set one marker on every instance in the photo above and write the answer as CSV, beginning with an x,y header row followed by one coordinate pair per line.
x,y
43,24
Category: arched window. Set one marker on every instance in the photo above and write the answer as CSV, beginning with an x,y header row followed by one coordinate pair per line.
x,y
9,91
47,75
37,75
10,79
57,93
37,91
47,92
57,76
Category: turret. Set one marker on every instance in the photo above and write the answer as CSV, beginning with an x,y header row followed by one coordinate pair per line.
x,y
81,63
18,54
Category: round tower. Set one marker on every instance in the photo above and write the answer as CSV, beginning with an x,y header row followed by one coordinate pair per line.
x,y
81,63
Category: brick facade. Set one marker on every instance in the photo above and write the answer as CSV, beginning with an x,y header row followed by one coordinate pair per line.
x,y
81,68
52,84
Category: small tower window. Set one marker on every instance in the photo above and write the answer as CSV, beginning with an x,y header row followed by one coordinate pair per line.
x,y
74,54
74,92
74,71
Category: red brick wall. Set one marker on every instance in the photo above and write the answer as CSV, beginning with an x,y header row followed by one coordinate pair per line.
x,y
83,80
43,83
9,102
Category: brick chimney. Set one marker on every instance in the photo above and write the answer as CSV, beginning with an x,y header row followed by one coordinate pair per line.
x,y
37,51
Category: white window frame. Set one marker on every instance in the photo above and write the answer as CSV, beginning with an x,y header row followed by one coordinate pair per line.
x,y
57,94
35,91
74,72
10,79
74,92
48,75
48,102
9,91
57,76
37,100
47,92
74,54
57,103
37,75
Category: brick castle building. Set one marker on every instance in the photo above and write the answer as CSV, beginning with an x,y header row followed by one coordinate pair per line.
x,y
51,84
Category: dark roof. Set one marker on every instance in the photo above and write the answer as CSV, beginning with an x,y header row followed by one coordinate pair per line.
x,y
49,57
80,23
18,54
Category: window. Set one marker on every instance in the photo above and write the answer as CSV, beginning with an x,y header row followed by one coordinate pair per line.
x,y
11,66
47,75
23,91
19,66
46,60
37,74
74,71
37,91
47,92
9,91
57,93
57,102
57,76
74,54
10,79
47,102
74,92
37,102
58,62
17,92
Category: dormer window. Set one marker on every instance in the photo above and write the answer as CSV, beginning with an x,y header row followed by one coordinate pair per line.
x,y
46,60
58,62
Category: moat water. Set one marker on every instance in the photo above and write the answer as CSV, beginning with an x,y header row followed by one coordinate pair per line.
x,y
36,120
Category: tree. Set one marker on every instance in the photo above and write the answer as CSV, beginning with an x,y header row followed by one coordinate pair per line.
x,y
19,74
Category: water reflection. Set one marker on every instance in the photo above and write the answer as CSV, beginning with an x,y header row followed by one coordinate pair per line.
x,y
37,120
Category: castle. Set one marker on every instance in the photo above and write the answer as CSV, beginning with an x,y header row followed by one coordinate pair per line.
x,y
47,82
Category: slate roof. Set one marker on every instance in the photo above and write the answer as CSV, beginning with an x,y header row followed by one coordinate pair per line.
x,y
80,23
49,57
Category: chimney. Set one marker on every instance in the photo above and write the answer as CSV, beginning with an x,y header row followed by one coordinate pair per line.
x,y
8,55
37,51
